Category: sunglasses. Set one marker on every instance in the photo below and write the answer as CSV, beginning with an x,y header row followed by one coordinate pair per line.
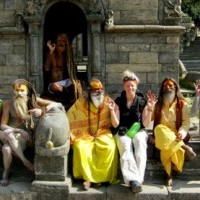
x,y
129,78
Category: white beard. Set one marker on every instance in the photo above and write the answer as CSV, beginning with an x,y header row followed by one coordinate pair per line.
x,y
20,105
168,97
97,100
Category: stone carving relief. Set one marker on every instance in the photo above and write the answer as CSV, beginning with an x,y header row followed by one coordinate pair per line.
x,y
173,8
33,7
19,19
95,6
109,22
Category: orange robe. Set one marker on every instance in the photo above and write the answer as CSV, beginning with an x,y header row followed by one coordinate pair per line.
x,y
95,156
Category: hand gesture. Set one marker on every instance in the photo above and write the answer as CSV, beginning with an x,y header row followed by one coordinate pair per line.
x,y
110,103
54,105
179,136
197,87
25,135
151,100
51,46
36,112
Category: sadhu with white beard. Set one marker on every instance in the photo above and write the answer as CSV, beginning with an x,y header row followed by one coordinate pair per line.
x,y
17,123
95,158
171,124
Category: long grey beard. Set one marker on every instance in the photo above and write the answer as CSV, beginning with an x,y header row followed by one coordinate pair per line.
x,y
168,97
97,100
21,108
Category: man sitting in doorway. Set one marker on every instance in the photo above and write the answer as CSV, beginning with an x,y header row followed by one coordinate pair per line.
x,y
63,85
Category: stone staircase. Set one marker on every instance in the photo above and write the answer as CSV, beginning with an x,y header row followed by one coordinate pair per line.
x,y
187,184
191,56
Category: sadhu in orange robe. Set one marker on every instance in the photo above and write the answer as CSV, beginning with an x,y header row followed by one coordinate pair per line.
x,y
95,156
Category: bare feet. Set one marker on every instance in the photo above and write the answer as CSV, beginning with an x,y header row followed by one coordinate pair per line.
x,y
29,165
86,185
4,182
169,181
191,153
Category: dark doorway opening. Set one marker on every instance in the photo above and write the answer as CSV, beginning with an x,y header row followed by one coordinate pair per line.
x,y
67,18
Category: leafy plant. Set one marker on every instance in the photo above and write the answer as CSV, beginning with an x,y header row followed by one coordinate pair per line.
x,y
192,8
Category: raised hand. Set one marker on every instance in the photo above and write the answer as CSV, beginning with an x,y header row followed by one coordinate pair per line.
x,y
36,112
110,103
197,87
51,46
151,100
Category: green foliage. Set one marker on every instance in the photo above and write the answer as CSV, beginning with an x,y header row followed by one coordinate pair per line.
x,y
192,8
186,84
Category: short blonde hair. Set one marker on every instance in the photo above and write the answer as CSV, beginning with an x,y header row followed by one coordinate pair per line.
x,y
128,75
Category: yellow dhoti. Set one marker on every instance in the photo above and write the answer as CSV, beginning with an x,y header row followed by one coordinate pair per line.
x,y
95,161
171,152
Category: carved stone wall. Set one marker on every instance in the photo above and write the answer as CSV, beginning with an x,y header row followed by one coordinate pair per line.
x,y
142,35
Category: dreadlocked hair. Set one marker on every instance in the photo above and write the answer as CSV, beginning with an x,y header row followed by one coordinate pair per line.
x,y
32,101
72,71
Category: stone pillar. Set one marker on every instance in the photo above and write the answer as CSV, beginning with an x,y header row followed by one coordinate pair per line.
x,y
96,67
52,143
34,53
51,174
95,21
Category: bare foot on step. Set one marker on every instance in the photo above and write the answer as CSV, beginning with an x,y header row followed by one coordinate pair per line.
x,y
4,182
191,153
86,185
170,181
29,166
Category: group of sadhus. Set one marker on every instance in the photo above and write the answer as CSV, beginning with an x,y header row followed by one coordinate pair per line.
x,y
99,127
103,131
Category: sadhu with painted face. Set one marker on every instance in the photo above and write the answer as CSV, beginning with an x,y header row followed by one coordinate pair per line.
x,y
95,155
17,123
171,124
64,85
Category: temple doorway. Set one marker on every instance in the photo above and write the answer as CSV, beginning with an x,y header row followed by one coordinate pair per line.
x,y
68,19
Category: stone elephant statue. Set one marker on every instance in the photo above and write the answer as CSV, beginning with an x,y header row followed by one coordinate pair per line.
x,y
53,129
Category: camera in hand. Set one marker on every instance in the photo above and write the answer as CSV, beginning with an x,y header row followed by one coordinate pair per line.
x,y
122,130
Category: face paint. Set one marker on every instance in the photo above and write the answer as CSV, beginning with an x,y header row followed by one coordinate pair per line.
x,y
20,90
168,85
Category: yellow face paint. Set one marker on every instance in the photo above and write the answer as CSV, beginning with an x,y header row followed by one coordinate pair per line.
x,y
169,83
20,89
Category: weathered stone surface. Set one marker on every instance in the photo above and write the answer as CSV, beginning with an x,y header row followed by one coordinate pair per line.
x,y
46,190
15,59
139,40
51,168
8,70
167,57
6,17
54,127
2,60
165,48
143,58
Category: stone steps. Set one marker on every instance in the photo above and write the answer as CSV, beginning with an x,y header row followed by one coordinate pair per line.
x,y
187,183
191,56
155,170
